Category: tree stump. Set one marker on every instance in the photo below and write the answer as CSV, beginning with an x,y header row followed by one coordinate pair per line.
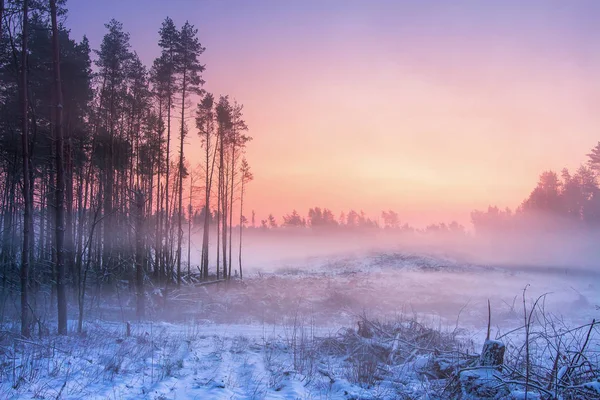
x,y
492,354
364,330
481,383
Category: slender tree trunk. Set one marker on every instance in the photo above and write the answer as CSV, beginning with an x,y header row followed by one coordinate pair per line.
x,y
51,222
189,249
219,211
26,196
205,231
159,200
82,207
1,15
139,253
7,258
44,190
108,221
159,233
33,128
82,284
224,215
69,239
231,203
60,181
241,227
207,211
166,221
180,210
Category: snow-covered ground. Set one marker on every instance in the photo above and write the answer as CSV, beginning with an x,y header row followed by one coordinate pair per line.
x,y
289,332
335,290
189,361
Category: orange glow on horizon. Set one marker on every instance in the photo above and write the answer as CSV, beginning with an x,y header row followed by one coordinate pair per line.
x,y
429,110
415,142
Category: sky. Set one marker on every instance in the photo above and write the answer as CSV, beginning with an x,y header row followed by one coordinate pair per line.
x,y
429,108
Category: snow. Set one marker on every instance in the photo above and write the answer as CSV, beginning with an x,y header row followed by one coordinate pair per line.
x,y
334,290
593,387
522,395
178,362
264,338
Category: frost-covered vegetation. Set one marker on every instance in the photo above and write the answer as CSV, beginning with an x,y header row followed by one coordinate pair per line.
x,y
403,359
328,330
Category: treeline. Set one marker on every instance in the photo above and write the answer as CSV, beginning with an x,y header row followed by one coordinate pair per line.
x,y
562,202
324,219
96,187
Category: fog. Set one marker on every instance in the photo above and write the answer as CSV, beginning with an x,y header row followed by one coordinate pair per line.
x,y
269,250
334,276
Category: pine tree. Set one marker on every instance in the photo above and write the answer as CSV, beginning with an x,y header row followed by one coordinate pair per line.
x,y
205,123
169,38
246,177
189,69
225,123
113,59
594,159
238,142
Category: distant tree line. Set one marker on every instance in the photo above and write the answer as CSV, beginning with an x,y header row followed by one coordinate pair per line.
x,y
324,219
569,200
93,171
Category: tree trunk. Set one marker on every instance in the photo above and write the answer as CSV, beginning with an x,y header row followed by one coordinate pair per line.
x,y
231,204
166,221
241,226
180,211
69,239
189,249
82,283
1,14
207,211
219,184
205,232
26,195
139,253
159,198
60,181
224,213
108,221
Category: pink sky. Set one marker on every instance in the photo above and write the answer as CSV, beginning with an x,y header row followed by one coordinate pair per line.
x,y
430,111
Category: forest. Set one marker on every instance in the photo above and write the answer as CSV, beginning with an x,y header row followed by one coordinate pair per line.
x,y
94,175
571,201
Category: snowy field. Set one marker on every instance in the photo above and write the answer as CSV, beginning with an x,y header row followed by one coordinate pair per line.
x,y
334,290
290,331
